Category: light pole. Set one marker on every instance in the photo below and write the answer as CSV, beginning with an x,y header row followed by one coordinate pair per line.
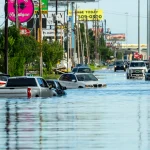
x,y
126,28
139,27
148,29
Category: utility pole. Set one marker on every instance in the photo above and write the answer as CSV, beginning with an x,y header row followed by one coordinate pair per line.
x,y
40,37
6,38
16,13
148,29
67,37
78,41
86,40
139,47
56,21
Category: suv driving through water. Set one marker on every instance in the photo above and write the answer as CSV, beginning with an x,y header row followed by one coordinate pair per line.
x,y
136,69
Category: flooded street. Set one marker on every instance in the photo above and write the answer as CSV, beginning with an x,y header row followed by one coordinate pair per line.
x,y
112,118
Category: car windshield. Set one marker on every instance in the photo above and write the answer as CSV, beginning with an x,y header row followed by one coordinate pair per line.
x,y
137,64
84,70
119,63
86,77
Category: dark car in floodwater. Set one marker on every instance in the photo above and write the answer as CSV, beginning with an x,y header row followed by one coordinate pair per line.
x,y
119,65
57,88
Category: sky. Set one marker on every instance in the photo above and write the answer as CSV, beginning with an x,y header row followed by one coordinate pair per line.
x,y
115,15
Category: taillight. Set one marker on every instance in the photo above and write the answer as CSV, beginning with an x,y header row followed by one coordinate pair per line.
x,y
29,92
2,83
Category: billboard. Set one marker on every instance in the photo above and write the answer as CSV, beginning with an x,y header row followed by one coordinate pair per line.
x,y
44,6
115,37
25,10
89,14
60,18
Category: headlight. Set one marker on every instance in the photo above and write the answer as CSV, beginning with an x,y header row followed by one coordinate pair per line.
x,y
143,71
130,71
115,66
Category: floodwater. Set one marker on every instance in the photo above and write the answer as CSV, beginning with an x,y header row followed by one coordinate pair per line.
x,y
112,118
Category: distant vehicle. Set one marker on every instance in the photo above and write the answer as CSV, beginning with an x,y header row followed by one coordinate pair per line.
x,y
26,86
136,69
3,79
82,69
110,67
81,65
119,65
147,75
57,88
80,80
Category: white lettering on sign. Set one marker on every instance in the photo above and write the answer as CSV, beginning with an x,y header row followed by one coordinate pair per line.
x,y
51,33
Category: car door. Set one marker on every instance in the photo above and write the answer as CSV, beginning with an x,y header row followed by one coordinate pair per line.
x,y
45,91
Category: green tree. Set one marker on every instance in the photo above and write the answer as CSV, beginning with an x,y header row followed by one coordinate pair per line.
x,y
52,54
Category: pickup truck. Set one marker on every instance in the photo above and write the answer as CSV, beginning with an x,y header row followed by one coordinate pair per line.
x,y
136,69
25,86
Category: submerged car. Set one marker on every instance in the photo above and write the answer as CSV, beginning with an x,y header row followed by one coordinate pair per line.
x,y
147,75
119,65
82,69
80,80
57,88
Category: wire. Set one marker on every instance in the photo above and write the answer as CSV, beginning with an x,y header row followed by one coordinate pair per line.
x,y
123,14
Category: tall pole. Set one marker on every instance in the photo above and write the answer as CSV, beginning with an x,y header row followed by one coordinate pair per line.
x,y
67,37
6,38
139,27
148,29
40,38
56,21
126,28
16,13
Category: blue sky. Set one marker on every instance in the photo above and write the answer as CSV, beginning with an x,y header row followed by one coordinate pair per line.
x,y
114,13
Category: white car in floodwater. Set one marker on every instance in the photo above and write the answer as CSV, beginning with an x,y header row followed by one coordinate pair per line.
x,y
80,80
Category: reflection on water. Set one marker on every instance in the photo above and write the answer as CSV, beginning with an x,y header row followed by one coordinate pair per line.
x,y
111,118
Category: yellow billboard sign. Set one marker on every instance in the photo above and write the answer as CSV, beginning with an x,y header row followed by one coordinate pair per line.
x,y
88,14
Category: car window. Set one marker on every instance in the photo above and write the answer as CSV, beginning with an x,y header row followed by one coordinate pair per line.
x,y
86,77
149,71
4,78
20,82
74,70
66,77
84,70
137,64
72,77
42,82
51,83
62,77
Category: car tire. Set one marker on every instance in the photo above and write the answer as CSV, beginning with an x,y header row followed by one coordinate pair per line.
x,y
80,87
128,77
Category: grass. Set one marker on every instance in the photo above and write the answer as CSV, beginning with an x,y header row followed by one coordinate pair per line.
x,y
96,67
